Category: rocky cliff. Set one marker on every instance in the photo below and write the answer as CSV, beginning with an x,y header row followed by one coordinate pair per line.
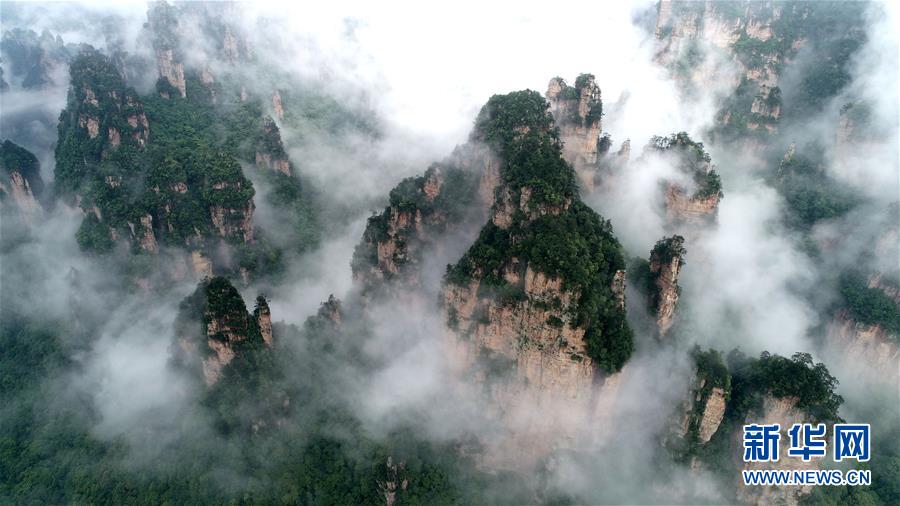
x,y
750,46
21,185
163,24
707,430
146,194
270,153
868,344
421,212
213,327
866,328
703,409
578,111
535,307
101,115
35,61
666,260
784,411
689,33
696,201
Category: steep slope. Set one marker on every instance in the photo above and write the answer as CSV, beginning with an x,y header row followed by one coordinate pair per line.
x,y
866,326
666,261
213,327
764,44
725,395
21,185
422,213
695,202
578,112
535,308
35,61
103,160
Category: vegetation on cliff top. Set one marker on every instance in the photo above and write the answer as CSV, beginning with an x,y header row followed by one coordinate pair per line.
x,y
574,244
869,306
449,207
595,107
810,193
778,376
15,157
694,161
520,128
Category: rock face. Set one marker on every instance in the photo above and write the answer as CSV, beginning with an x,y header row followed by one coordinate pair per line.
x,y
707,432
666,261
264,318
704,407
744,50
522,326
235,47
420,212
331,310
395,481
20,180
213,328
578,111
867,344
270,153
699,204
234,223
195,199
34,61
163,23
785,412
536,329
276,105
686,30
171,70
100,106
145,235
683,208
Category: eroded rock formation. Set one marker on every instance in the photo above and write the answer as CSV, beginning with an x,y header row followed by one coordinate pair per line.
x,y
163,23
666,261
525,326
785,412
420,212
578,111
696,200
213,328
270,153
20,180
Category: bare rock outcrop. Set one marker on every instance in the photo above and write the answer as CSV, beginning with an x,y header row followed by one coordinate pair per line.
x,y
527,349
420,212
164,26
578,111
703,409
276,105
686,32
868,344
270,153
693,202
785,412
681,207
666,261
394,482
213,328
143,234
233,223
20,180
264,318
